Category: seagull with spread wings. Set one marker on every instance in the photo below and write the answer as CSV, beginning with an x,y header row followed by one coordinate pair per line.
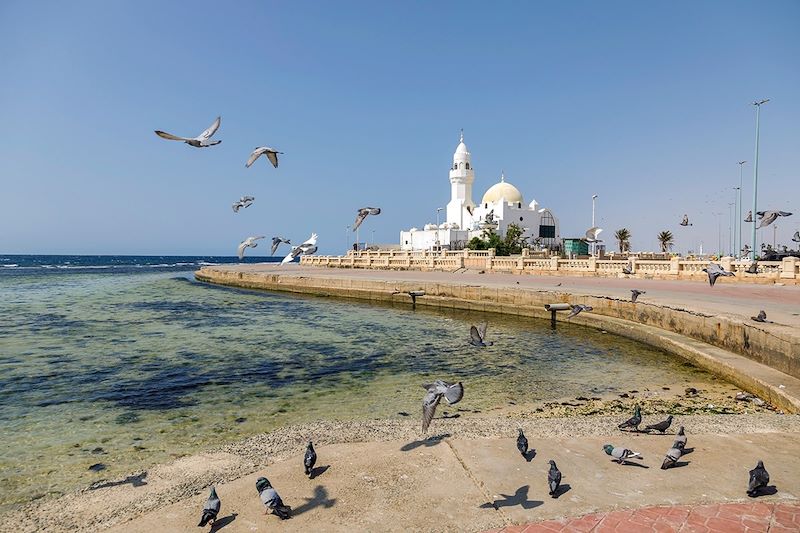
x,y
276,241
768,217
201,141
249,242
363,213
271,154
306,248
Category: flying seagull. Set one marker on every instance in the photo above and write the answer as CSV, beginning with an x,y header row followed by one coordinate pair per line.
x,y
634,421
628,269
661,426
244,201
761,317
621,454
522,443
593,233
673,454
796,236
362,214
276,241
714,271
306,248
635,294
685,221
749,217
553,479
576,310
768,217
271,154
477,335
271,499
680,439
452,393
759,479
249,242
211,509
309,459
201,141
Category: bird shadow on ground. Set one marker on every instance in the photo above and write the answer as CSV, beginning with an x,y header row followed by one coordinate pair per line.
x,y
562,489
428,442
766,491
630,463
529,455
222,522
687,450
454,415
318,471
135,481
320,499
520,497
679,464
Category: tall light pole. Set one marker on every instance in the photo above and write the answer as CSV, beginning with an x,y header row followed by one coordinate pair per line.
x,y
730,229
438,210
739,211
594,245
346,239
373,238
755,175
774,232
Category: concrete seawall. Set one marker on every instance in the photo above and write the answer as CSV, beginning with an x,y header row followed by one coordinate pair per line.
x,y
761,358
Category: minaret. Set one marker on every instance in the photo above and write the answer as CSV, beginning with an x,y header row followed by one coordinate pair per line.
x,y
461,177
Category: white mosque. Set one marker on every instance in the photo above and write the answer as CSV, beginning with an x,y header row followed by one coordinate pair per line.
x,y
502,204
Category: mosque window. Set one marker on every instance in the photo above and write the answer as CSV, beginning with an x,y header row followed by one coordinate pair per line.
x,y
520,219
519,206
486,206
467,166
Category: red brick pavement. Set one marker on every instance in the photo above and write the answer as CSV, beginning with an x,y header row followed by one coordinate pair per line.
x,y
748,517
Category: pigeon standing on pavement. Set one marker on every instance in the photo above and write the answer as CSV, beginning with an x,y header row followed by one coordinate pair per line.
x,y
576,310
759,479
761,317
621,454
752,268
211,509
452,393
680,439
309,459
270,153
714,271
634,421
661,426
201,141
272,500
477,335
673,454
553,479
635,294
522,443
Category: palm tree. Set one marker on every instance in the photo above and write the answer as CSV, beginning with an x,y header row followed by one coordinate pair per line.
x,y
623,239
665,238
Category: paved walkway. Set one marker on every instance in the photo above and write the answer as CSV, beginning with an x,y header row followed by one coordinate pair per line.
x,y
723,518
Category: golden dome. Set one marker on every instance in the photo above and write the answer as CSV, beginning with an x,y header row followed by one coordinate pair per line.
x,y
502,190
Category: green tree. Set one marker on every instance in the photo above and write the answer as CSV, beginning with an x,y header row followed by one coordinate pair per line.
x,y
476,243
666,240
513,241
623,237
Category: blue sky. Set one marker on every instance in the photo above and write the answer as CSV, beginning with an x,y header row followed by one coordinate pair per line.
x,y
645,104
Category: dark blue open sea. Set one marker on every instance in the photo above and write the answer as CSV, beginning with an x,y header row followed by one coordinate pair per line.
x,y
126,362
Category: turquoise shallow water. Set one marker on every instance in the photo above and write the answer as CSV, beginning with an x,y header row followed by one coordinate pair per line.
x,y
132,369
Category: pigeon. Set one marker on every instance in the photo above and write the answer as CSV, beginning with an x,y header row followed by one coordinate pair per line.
x,y
673,454
309,459
306,248
271,154
244,201
752,268
628,269
759,479
661,426
362,214
249,242
522,443
553,479
621,454
768,217
576,310
714,271
680,439
478,335
276,241
761,317
211,509
593,233
685,221
634,421
272,500
635,294
452,392
749,217
796,236
470,209
201,141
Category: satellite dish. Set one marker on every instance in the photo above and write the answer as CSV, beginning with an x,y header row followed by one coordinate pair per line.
x,y
592,233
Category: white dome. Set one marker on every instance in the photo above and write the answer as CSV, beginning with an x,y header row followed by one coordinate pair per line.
x,y
504,191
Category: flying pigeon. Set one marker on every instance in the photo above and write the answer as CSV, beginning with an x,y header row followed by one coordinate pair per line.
x,y
470,209
306,248
271,154
680,439
621,454
768,217
244,201
635,294
685,221
201,141
661,426
362,214
749,217
413,295
276,241
553,479
796,236
634,421
673,454
576,309
628,269
478,335
522,443
592,234
761,317
714,271
249,242
752,268
759,479
271,500
309,459
452,392
211,509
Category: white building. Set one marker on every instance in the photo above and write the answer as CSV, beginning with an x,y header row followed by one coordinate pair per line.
x,y
502,204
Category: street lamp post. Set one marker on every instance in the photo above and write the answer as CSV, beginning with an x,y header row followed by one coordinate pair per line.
x,y
731,229
755,175
774,232
346,239
373,238
438,210
594,245
739,211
